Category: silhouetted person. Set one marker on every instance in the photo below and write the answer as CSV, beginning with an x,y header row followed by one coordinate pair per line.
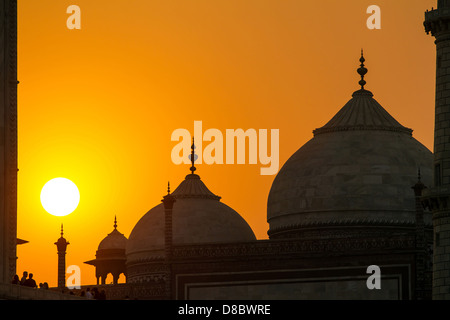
x,y
24,278
102,295
89,295
96,294
15,280
43,285
30,282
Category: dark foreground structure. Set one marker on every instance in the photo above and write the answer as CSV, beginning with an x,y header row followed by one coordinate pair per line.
x,y
8,139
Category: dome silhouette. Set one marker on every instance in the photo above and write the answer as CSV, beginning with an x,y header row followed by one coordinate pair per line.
x,y
198,218
357,170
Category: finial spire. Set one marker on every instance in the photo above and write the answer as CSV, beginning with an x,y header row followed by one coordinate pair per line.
x,y
168,187
115,222
62,231
193,155
419,186
362,70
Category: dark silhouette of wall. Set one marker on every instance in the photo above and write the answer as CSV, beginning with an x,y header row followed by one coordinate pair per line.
x,y
8,139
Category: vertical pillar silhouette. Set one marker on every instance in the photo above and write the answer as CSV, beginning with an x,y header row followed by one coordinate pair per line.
x,y
168,201
437,22
8,141
61,245
420,289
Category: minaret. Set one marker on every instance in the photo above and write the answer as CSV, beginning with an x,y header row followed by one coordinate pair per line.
x,y
168,201
437,21
61,244
420,286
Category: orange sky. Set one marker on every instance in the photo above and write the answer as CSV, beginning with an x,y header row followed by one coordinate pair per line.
x,y
98,105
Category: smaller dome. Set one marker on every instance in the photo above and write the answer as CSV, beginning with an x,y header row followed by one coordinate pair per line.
x,y
198,217
114,240
110,256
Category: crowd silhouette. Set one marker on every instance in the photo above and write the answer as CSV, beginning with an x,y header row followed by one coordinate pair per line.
x,y
28,281
94,294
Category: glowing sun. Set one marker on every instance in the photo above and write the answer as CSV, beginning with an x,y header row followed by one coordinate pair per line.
x,y
60,196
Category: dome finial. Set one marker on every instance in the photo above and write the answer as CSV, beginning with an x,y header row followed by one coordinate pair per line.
x,y
193,155
362,70
168,187
419,186
62,231
115,222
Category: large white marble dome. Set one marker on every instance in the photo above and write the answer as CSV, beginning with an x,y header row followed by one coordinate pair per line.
x,y
357,171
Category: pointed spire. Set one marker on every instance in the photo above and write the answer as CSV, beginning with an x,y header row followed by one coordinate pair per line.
x,y
362,70
193,155
419,186
168,199
62,243
115,222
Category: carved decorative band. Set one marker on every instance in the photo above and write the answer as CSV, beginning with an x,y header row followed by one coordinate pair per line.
x,y
363,128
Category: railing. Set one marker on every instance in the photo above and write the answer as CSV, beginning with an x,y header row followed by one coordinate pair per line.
x,y
124,291
18,292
